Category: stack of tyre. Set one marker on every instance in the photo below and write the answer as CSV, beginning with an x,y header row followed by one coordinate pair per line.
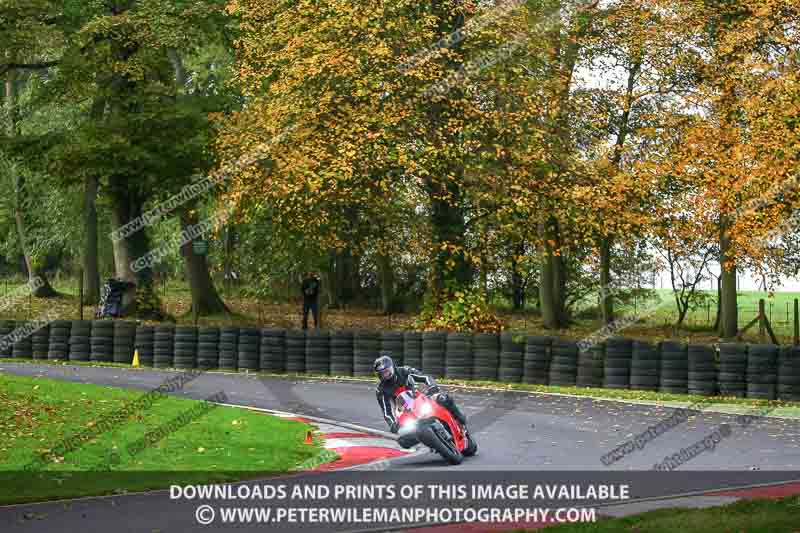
x,y
617,369
434,353
486,358
185,347
58,347
789,374
564,363
366,346
208,348
537,360
296,351
23,348
163,346
6,328
590,366
228,348
762,371
458,356
145,336
273,350
102,342
412,349
702,370
732,376
342,353
392,342
249,344
674,376
509,369
124,340
318,352
41,342
645,364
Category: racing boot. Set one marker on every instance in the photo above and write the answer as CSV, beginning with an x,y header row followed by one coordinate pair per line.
x,y
447,402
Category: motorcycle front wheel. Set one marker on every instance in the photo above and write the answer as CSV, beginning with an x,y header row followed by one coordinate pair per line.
x,y
446,448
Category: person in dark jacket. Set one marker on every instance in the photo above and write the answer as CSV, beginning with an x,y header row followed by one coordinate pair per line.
x,y
392,377
310,289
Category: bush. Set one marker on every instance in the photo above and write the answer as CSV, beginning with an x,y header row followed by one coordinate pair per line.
x,y
459,310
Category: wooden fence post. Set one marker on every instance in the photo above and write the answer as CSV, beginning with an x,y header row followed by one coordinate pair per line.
x,y
796,323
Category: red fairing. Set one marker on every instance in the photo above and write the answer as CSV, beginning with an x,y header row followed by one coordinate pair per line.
x,y
423,407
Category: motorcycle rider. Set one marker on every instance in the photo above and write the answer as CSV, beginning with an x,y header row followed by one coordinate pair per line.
x,y
392,377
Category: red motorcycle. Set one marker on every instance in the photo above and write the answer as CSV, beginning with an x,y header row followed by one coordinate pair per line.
x,y
423,420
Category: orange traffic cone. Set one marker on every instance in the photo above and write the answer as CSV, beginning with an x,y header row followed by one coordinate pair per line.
x,y
309,437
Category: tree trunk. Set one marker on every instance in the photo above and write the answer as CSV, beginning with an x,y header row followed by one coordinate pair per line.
x,y
387,283
551,285
449,226
730,312
120,215
332,279
517,289
126,205
718,320
205,298
606,294
43,288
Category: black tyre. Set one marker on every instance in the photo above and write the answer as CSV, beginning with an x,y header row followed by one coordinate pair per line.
x,y
443,446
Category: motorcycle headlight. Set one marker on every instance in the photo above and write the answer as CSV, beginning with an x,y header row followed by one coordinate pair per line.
x,y
426,409
409,426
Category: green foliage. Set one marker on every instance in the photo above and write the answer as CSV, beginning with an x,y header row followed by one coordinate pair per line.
x,y
463,309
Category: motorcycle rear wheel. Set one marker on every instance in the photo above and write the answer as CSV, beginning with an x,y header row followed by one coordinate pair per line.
x,y
430,438
472,447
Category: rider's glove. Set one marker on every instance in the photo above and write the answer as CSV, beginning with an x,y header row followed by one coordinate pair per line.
x,y
395,427
433,389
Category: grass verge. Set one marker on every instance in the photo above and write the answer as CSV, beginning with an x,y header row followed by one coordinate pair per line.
x,y
751,516
198,443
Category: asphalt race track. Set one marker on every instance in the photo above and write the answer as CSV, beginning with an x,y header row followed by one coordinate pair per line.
x,y
514,430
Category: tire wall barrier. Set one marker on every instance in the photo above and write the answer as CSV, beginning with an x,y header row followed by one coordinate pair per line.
x,y
536,363
208,348
392,342
486,357
433,353
163,346
702,376
674,376
789,373
249,346
617,368
458,356
143,344
58,344
758,371
228,348
124,341
185,347
6,327
273,350
412,349
732,370
366,346
342,343
590,366
512,356
318,353
102,341
645,366
564,363
762,371
40,341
